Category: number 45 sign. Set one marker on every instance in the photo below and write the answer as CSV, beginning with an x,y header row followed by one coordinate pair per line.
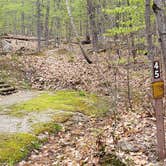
x,y
156,70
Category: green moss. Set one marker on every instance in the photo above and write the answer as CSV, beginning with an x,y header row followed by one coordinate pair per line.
x,y
14,147
88,104
50,127
62,51
62,117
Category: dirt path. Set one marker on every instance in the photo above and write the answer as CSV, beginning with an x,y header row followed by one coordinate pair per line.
x,y
12,124
18,97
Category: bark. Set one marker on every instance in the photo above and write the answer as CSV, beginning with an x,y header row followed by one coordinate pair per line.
x,y
57,23
91,13
149,30
76,33
38,4
22,20
21,38
159,8
132,49
47,23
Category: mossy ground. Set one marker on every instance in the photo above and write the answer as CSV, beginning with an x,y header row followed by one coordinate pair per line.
x,y
50,127
70,101
14,147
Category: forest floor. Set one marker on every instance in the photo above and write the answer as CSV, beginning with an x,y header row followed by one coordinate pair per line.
x,y
125,134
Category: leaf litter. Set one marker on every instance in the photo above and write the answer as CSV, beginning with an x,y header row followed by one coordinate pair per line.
x,y
127,135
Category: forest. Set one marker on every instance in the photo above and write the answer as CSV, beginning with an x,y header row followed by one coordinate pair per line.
x,y
82,82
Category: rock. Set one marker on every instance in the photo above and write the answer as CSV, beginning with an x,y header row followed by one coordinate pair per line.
x,y
42,137
79,117
6,46
126,146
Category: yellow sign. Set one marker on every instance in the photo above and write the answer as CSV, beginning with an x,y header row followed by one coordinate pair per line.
x,y
158,89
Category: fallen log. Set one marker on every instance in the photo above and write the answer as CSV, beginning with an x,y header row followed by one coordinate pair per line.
x,y
21,38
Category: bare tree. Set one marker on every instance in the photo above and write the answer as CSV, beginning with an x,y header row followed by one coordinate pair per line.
x,y
76,33
47,22
148,29
22,19
92,18
38,5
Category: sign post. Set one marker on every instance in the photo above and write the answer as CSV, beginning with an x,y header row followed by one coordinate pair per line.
x,y
158,94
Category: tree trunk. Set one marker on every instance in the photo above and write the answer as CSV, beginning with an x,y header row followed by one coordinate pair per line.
x,y
149,30
159,8
22,20
93,26
47,23
38,4
76,33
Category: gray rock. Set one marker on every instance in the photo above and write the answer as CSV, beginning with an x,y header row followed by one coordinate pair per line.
x,y
127,146
79,117
6,46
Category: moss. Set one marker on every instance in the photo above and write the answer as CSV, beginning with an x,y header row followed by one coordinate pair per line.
x,y
50,127
74,101
62,117
62,51
39,54
14,147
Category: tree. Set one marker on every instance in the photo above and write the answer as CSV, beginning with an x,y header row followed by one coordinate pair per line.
x,y
92,18
159,8
148,28
38,5
76,33
47,22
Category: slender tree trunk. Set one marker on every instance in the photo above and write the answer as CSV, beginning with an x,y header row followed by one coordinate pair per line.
x,y
57,23
133,50
91,12
76,33
22,20
15,23
39,24
149,30
159,8
47,23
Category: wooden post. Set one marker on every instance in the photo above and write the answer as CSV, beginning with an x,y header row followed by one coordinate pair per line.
x,y
158,94
160,128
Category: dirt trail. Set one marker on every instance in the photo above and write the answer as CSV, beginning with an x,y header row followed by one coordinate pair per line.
x,y
11,124
18,97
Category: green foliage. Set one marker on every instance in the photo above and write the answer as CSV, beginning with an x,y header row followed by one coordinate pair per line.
x,y
11,14
129,17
